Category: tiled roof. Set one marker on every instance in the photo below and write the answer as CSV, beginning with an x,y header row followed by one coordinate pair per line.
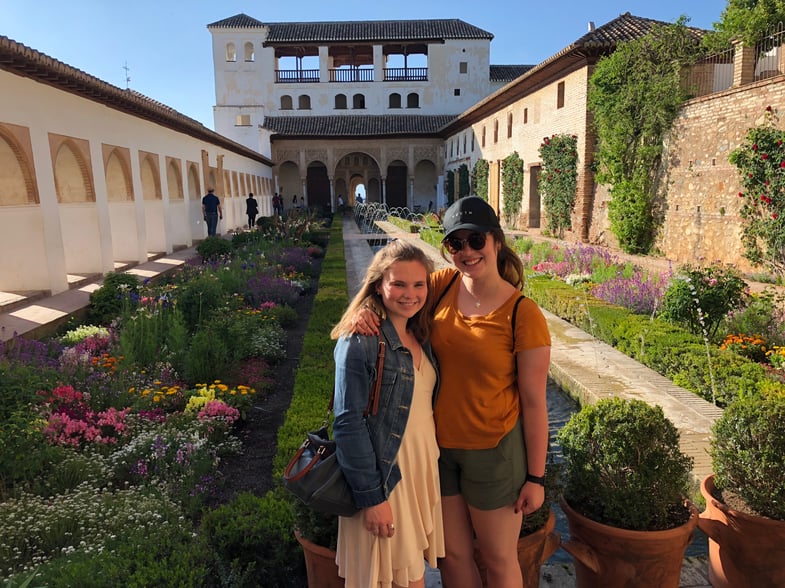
x,y
26,62
594,44
625,27
238,21
364,31
507,73
356,125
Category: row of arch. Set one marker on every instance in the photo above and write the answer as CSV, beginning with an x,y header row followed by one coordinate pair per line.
x,y
358,101
100,206
397,185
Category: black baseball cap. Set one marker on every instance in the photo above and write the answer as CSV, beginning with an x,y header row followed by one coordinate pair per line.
x,y
471,213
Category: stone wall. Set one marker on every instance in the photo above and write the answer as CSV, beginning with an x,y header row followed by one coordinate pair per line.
x,y
699,186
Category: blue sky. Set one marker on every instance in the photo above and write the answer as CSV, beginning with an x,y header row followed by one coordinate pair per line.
x,y
167,47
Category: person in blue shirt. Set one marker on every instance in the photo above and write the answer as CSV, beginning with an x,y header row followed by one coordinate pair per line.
x,y
211,211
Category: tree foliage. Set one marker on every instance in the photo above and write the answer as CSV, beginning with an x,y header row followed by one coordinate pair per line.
x,y
634,96
559,180
512,184
480,179
747,20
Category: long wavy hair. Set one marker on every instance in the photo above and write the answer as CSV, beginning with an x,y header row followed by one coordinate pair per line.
x,y
395,251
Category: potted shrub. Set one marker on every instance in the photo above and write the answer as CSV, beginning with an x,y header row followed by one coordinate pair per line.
x,y
745,497
625,483
318,535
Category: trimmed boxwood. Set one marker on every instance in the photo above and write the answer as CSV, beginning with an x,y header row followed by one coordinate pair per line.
x,y
747,449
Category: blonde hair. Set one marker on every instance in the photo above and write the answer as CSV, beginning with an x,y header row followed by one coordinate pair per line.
x,y
395,251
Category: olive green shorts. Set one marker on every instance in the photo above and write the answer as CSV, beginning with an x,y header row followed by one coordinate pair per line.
x,y
486,478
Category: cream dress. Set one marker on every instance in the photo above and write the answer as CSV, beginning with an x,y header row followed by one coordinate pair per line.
x,y
368,561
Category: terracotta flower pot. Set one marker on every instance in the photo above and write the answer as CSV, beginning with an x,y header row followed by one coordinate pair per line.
x,y
745,551
320,566
533,551
615,558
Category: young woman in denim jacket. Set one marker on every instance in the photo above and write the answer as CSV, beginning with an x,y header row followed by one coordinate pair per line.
x,y
389,459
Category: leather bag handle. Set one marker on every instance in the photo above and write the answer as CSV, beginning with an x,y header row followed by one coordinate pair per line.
x,y
373,394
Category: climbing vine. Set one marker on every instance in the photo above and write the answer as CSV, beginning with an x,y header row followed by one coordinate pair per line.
x,y
463,181
480,178
634,96
760,160
449,186
512,184
559,181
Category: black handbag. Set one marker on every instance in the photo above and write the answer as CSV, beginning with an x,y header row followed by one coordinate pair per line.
x,y
314,474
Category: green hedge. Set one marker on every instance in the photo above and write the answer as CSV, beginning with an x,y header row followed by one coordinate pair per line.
x,y
669,350
313,384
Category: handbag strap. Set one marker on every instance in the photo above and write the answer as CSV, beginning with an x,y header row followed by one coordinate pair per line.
x,y
373,394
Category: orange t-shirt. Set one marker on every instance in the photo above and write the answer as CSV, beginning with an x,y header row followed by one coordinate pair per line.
x,y
478,402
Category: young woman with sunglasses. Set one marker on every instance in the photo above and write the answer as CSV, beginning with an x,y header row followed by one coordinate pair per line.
x,y
491,413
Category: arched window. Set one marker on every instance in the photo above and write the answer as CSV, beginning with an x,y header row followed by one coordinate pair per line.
x,y
413,100
304,102
286,102
231,52
395,100
340,102
249,51
358,101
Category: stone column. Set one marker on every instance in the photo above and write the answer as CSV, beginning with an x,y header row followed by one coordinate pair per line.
x,y
743,64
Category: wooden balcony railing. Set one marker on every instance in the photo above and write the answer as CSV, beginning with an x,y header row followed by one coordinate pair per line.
x,y
406,74
351,75
296,76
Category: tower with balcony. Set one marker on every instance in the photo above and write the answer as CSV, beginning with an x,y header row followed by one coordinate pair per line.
x,y
299,91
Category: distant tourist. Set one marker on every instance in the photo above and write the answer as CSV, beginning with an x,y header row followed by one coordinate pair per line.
x,y
251,209
211,211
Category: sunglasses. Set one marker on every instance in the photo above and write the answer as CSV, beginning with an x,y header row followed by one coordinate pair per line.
x,y
476,241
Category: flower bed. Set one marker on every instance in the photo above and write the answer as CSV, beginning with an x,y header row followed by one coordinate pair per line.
x,y
112,432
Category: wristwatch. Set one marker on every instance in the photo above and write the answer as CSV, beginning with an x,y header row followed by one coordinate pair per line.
x,y
536,479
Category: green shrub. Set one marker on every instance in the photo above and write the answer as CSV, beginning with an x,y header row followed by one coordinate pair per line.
x,y
700,298
623,466
213,247
150,335
747,449
117,291
164,556
25,456
207,359
198,298
253,537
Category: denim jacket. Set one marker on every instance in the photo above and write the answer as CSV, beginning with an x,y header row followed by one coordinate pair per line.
x,y
367,448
